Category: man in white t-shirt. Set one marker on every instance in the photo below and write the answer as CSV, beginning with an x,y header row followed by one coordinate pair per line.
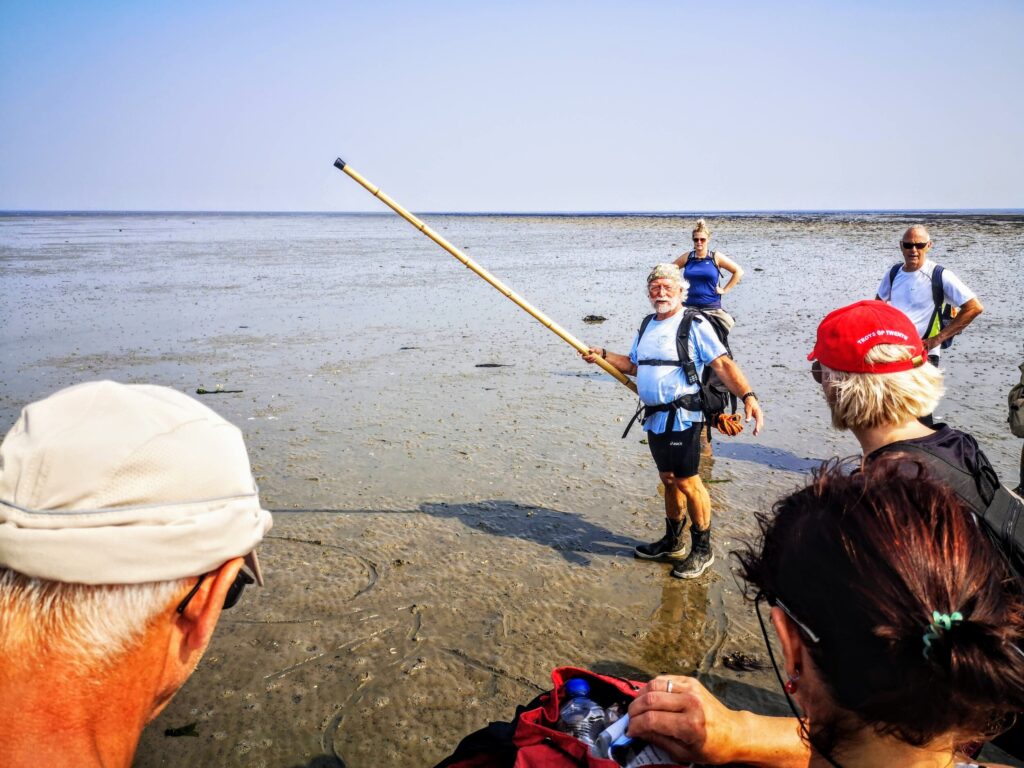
x,y
911,291
672,416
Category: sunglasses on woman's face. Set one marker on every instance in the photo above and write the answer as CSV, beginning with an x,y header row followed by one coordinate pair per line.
x,y
816,371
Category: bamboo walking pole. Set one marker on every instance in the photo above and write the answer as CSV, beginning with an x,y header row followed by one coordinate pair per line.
x,y
544,320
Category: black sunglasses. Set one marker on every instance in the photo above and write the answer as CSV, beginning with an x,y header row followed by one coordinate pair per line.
x,y
230,599
907,246
816,371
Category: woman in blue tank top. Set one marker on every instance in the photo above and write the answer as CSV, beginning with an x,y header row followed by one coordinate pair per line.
x,y
701,270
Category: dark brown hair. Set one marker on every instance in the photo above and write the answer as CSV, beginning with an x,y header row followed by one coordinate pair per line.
x,y
863,560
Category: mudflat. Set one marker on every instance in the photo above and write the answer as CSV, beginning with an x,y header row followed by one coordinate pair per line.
x,y
455,511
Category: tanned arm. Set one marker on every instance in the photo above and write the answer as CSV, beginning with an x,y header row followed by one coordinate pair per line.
x,y
967,313
737,383
692,725
735,269
621,363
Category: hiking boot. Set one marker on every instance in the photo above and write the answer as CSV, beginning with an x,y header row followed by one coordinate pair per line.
x,y
668,547
700,558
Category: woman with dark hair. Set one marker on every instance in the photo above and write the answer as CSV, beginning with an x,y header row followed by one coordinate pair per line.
x,y
901,634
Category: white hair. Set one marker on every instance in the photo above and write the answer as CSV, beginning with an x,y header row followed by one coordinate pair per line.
x,y
86,625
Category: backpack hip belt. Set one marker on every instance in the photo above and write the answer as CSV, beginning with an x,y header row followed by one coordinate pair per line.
x,y
690,402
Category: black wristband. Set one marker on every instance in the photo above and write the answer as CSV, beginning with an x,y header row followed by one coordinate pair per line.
x,y
604,353
743,399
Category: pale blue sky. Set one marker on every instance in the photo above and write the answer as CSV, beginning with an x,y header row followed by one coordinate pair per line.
x,y
511,106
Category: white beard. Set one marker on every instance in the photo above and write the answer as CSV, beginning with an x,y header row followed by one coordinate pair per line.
x,y
663,305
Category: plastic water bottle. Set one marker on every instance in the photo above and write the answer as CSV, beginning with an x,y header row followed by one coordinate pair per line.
x,y
581,716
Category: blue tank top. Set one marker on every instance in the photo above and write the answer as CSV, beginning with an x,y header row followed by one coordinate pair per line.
x,y
702,275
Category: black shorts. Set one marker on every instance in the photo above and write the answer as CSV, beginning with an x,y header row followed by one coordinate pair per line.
x,y
677,452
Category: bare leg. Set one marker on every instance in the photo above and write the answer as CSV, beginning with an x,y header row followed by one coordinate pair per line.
x,y
675,499
698,501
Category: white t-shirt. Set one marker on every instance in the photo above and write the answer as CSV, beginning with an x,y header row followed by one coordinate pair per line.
x,y
912,293
657,384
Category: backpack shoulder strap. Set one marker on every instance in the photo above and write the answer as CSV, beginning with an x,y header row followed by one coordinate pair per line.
x,y
895,270
938,292
645,361
975,491
714,260
683,344
938,298
643,327
1003,518
683,335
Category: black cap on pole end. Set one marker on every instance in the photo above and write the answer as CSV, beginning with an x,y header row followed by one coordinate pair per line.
x,y
339,164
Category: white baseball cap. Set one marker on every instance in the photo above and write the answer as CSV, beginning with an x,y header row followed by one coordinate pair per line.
x,y
107,483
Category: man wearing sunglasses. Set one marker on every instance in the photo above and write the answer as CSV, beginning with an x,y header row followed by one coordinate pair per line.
x,y
127,514
909,287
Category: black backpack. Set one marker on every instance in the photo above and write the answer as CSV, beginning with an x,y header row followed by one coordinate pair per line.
x,y
712,397
1015,403
999,509
943,313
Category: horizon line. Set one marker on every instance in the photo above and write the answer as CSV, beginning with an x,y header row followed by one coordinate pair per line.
x,y
722,212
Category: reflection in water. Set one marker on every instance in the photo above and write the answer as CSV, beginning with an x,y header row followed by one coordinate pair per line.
x,y
683,628
678,638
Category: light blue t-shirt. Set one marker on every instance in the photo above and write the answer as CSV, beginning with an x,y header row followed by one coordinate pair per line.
x,y
658,384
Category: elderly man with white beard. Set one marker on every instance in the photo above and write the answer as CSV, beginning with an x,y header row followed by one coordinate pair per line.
x,y
672,417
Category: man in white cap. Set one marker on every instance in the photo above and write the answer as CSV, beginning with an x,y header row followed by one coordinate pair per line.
x,y
127,513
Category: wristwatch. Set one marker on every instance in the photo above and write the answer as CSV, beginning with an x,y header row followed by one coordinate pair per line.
x,y
743,399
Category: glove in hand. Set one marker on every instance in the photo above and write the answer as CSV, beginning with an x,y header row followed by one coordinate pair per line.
x,y
730,424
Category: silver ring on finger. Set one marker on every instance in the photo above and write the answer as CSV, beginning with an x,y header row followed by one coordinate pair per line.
x,y
668,687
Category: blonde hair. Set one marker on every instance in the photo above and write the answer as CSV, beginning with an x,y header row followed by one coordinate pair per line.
x,y
84,626
865,400
702,226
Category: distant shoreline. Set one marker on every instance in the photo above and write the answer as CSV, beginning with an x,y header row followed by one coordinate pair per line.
x,y
565,214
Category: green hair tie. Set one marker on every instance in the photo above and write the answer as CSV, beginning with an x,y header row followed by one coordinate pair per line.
x,y
941,622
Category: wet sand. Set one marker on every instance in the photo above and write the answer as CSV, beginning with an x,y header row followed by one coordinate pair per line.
x,y
446,534
387,636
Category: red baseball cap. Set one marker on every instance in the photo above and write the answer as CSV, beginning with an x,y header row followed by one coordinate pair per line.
x,y
848,333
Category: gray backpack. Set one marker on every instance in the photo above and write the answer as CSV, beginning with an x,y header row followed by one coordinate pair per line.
x,y
1016,403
